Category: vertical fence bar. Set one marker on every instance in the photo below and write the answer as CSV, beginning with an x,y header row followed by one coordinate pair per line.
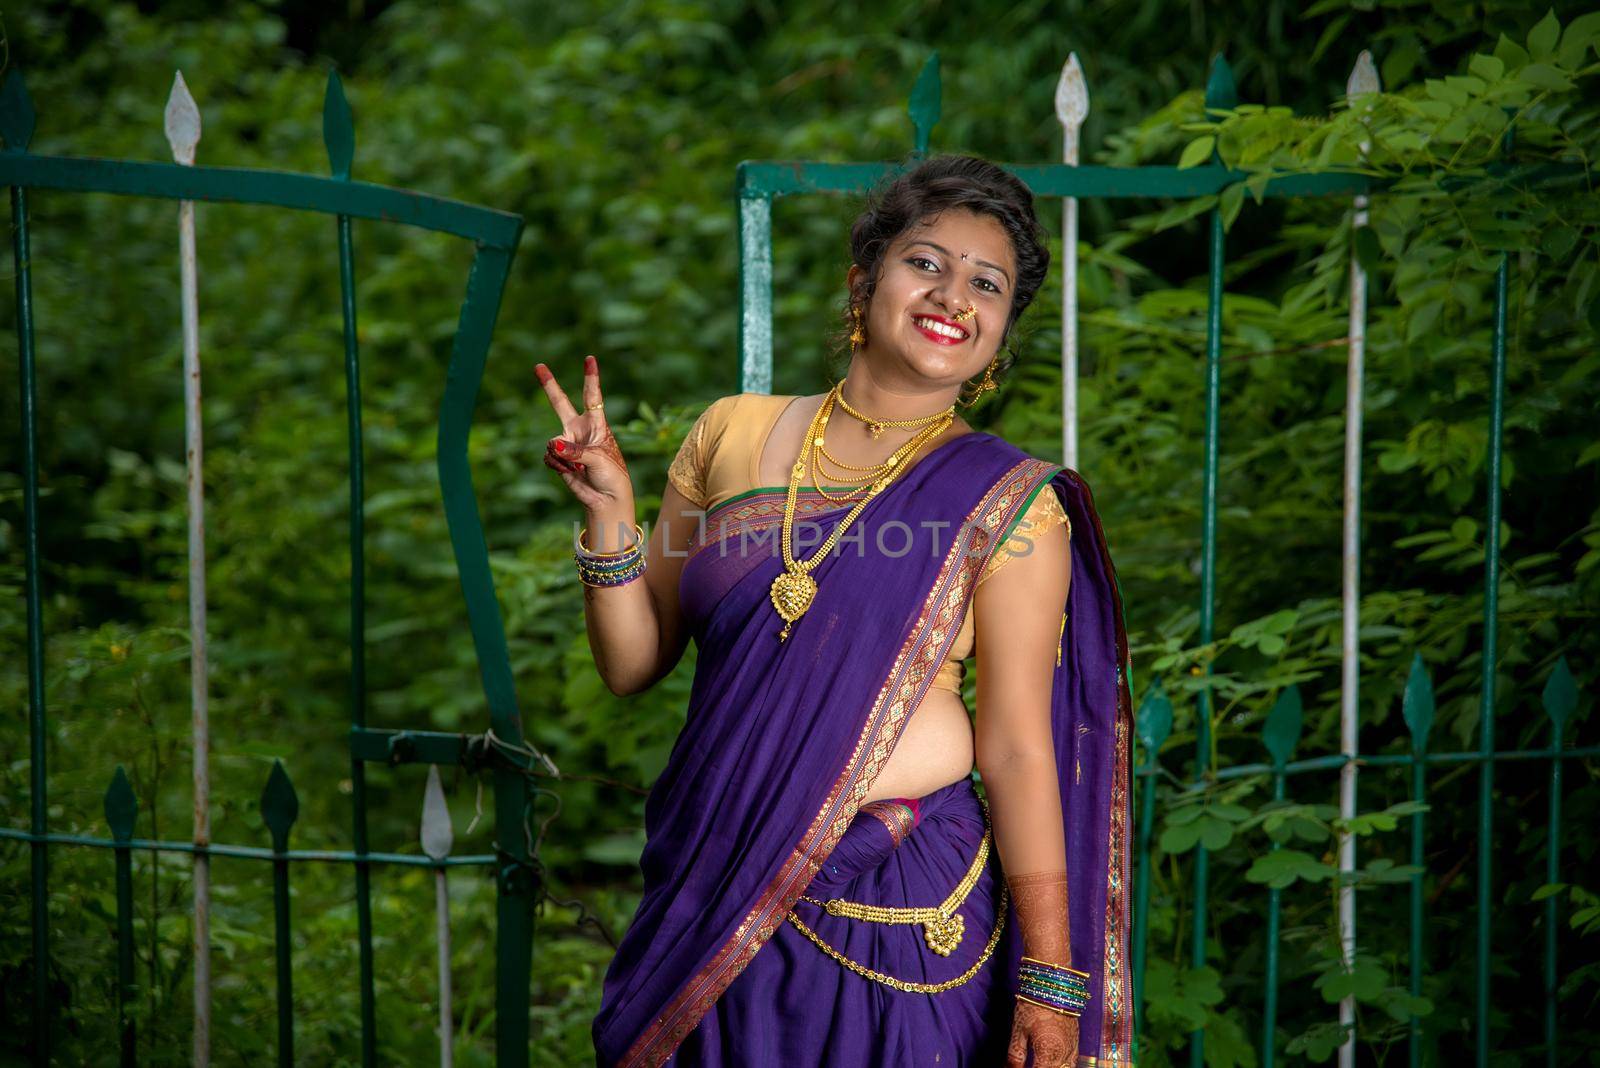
x,y
183,134
279,809
1280,734
1560,698
437,839
1363,80
1154,724
517,879
122,808
338,136
1491,624
755,293
1417,709
1072,107
16,125
1220,93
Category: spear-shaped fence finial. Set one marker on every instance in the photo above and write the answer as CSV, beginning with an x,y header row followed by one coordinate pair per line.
x,y
183,121
16,113
338,127
925,103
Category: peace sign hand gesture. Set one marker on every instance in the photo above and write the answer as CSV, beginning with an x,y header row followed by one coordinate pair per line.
x,y
585,454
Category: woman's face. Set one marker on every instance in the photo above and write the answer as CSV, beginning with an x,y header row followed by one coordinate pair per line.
x,y
930,274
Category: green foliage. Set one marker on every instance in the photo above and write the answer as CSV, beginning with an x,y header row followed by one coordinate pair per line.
x,y
614,132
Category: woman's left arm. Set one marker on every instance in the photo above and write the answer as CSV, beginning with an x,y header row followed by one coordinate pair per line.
x,y
1017,627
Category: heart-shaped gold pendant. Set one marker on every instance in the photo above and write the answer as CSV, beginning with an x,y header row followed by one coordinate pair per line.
x,y
791,593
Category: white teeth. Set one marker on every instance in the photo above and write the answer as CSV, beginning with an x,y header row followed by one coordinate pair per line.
x,y
940,328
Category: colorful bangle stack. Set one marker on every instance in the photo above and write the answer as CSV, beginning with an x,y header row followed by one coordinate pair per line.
x,y
1063,990
610,569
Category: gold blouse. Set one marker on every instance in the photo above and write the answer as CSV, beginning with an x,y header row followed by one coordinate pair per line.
x,y
719,458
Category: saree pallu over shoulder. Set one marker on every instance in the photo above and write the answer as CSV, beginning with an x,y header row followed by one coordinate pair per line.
x,y
783,740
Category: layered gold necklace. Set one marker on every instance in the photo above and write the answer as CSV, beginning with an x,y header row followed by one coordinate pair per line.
x,y
794,589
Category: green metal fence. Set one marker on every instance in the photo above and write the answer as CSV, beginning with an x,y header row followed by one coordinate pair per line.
x,y
500,750
760,183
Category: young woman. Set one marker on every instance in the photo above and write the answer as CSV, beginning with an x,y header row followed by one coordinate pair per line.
x,y
823,884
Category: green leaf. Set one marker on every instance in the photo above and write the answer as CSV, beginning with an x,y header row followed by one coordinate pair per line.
x,y
1282,867
1544,35
1401,1006
1179,839
1547,890
1422,318
1320,1041
1229,203
1282,730
1558,242
1155,720
1581,34
1489,68
1214,833
1366,981
1198,151
1510,53
1545,76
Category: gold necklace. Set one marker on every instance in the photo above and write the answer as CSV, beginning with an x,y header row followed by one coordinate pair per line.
x,y
887,467
794,589
877,426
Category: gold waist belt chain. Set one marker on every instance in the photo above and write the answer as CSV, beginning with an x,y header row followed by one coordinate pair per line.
x,y
942,926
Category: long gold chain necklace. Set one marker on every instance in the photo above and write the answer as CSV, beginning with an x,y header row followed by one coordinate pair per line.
x,y
876,471
930,426
794,589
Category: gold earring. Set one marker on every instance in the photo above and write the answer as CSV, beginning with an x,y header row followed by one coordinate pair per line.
x,y
984,386
856,336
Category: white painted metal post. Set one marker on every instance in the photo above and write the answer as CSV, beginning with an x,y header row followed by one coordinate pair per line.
x,y
183,134
1072,106
1363,80
437,840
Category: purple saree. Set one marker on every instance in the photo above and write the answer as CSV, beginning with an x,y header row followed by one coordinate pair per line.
x,y
761,798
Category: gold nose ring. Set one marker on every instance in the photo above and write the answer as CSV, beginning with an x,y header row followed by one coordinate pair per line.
x,y
969,312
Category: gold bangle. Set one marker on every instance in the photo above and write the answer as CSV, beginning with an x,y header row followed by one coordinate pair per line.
x,y
591,554
1058,967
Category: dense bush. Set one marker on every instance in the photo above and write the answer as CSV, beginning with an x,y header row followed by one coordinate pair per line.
x,y
614,134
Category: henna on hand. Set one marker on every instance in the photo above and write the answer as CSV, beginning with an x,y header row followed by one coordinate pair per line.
x,y
1041,903
1053,1037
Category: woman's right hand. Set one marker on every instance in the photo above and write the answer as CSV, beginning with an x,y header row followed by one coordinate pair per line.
x,y
585,454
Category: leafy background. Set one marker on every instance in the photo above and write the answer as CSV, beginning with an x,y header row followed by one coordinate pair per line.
x,y
614,130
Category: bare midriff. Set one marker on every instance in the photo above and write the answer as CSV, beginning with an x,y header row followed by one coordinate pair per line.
x,y
936,745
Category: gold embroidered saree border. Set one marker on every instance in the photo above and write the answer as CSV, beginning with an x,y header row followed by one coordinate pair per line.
x,y
912,670
1116,1022
895,815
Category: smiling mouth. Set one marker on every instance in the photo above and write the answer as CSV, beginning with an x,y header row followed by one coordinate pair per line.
x,y
938,330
